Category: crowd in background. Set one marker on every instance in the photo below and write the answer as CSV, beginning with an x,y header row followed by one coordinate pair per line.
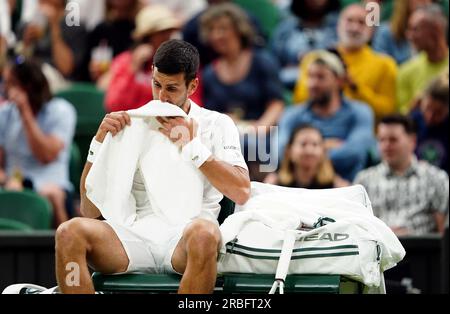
x,y
354,103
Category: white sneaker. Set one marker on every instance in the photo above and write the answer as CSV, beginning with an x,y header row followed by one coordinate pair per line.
x,y
28,288
24,288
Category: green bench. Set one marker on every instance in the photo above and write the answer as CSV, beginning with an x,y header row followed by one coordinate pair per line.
x,y
227,283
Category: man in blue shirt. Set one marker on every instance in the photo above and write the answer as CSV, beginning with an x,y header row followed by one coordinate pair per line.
x,y
346,125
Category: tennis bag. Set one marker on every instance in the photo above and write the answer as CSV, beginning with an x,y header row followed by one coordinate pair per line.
x,y
333,248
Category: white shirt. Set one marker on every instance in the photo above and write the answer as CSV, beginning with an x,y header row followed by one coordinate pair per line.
x,y
220,135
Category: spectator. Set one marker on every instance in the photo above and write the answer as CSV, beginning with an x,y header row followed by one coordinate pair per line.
x,y
243,81
131,73
427,32
305,163
36,132
431,118
347,125
390,37
371,76
49,38
410,196
191,34
112,36
312,26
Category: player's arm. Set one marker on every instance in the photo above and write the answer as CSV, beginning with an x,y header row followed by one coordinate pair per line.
x,y
232,181
114,123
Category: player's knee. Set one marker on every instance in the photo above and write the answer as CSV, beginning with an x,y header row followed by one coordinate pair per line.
x,y
69,234
203,238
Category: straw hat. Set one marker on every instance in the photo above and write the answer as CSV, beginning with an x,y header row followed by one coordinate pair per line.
x,y
152,19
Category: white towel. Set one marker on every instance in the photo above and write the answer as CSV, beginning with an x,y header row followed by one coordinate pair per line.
x,y
174,186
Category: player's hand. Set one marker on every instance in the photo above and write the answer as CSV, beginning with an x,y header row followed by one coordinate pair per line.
x,y
177,129
113,122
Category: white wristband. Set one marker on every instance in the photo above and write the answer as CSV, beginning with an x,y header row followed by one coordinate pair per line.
x,y
93,150
196,152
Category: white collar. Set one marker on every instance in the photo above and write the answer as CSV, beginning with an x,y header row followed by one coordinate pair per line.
x,y
194,110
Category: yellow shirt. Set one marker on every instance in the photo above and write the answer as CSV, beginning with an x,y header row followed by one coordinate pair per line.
x,y
373,73
413,78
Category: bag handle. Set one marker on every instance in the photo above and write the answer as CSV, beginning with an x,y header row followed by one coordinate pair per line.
x,y
284,261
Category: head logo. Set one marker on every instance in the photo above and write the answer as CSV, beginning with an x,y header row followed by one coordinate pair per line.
x,y
327,236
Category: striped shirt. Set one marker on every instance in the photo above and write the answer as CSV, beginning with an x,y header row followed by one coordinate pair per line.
x,y
409,200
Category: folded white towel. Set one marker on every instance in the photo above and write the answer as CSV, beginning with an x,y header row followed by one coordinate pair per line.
x,y
157,108
174,186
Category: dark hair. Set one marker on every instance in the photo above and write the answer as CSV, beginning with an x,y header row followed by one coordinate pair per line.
x,y
300,9
301,127
405,121
30,77
177,56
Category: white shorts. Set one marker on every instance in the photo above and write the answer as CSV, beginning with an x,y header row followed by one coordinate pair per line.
x,y
149,244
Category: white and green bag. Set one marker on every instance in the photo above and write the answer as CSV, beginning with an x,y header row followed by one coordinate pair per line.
x,y
335,248
284,233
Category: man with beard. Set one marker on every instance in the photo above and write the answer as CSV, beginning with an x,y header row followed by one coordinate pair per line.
x,y
347,125
371,76
152,243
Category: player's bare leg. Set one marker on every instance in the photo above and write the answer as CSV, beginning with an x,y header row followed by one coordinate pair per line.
x,y
80,241
196,257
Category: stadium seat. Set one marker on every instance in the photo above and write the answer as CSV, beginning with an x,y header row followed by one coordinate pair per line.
x,y
11,224
88,103
265,11
26,207
226,283
75,167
